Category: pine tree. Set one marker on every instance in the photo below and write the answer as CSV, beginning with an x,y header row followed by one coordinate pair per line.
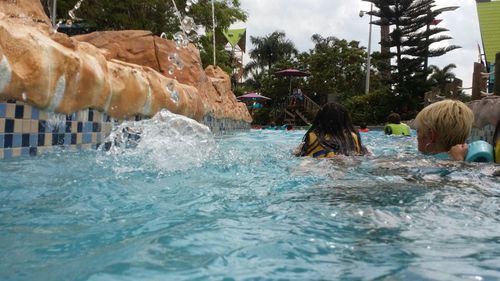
x,y
412,34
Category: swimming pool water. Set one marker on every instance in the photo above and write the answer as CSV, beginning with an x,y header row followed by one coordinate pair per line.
x,y
241,207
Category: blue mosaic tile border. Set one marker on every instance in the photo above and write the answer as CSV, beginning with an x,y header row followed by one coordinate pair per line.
x,y
28,131
219,126
486,133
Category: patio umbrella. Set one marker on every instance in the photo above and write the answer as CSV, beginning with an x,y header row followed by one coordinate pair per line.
x,y
252,96
291,72
252,100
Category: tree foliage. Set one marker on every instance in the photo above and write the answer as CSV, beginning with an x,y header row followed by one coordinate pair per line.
x,y
411,39
441,77
271,49
159,17
336,67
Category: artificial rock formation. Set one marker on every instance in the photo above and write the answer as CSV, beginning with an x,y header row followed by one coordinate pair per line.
x,y
142,48
55,72
486,111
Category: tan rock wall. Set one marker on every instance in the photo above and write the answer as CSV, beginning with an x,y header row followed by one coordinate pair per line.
x,y
142,48
486,111
128,77
29,10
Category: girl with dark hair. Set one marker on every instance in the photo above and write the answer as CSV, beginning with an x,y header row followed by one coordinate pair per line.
x,y
331,133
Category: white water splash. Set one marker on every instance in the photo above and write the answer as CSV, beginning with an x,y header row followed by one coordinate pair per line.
x,y
59,94
71,13
167,142
5,73
55,120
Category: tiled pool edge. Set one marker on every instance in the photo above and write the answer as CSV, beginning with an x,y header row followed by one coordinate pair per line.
x,y
486,133
25,130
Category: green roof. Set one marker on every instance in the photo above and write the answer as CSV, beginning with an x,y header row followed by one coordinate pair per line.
x,y
489,22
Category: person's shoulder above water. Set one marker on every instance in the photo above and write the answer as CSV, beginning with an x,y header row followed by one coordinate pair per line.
x,y
331,133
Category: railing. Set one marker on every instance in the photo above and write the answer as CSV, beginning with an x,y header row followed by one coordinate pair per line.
x,y
310,107
289,113
303,117
305,109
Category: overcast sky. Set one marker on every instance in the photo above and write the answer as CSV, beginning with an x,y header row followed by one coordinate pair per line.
x,y
300,19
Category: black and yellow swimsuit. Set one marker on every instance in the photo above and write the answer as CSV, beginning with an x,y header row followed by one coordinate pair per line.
x,y
318,150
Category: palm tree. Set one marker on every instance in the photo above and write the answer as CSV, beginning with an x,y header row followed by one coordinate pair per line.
x,y
254,76
270,49
441,77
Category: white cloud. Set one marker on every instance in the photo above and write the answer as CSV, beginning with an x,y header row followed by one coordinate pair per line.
x,y
300,19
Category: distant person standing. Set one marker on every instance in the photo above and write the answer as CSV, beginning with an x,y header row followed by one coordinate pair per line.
x,y
293,97
299,97
395,127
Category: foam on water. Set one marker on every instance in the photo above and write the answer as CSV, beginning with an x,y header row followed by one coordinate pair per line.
x,y
167,142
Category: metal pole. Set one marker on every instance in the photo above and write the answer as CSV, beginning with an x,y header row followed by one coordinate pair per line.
x,y
54,13
368,57
213,30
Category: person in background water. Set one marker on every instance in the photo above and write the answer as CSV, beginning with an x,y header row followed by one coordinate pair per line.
x,y
331,133
443,127
363,128
395,127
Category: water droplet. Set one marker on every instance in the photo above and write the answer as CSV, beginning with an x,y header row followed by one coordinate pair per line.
x,y
187,9
175,97
194,1
173,56
24,96
179,37
193,37
188,24
170,86
200,30
69,23
163,35
179,64
171,69
71,13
